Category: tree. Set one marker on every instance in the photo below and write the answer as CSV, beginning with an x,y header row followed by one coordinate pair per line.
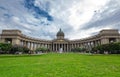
x,y
78,49
18,48
5,47
42,49
113,48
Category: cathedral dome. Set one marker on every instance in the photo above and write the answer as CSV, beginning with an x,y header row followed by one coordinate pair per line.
x,y
60,33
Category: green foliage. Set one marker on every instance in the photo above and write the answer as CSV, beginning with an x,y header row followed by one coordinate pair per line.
x,y
25,50
78,49
8,48
60,65
42,49
17,48
113,48
5,47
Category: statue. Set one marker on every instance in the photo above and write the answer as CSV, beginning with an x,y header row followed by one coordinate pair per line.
x,y
60,50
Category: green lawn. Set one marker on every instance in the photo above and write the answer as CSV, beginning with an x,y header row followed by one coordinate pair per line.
x,y
60,65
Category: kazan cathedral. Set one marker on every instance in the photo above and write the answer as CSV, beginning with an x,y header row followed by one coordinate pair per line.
x,y
15,37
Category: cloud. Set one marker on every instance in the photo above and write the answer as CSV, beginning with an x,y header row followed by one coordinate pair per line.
x,y
43,18
37,11
108,17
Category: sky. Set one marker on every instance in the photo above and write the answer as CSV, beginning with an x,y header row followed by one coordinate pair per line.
x,y
43,18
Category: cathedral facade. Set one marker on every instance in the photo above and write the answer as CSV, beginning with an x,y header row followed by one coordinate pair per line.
x,y
15,37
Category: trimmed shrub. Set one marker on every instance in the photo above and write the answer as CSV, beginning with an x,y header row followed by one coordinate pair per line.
x,y
42,49
78,49
17,48
113,48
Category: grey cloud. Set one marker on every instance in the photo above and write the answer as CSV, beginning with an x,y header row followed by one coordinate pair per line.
x,y
41,28
105,21
106,17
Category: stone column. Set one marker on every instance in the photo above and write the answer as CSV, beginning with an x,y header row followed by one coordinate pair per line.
x,y
47,45
30,46
53,47
62,46
67,47
95,43
99,42
2,40
70,46
21,42
38,45
118,40
15,41
76,45
73,46
33,45
27,44
90,45
41,44
104,41
57,46
85,45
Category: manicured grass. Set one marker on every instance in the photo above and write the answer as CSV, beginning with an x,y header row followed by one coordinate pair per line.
x,y
60,65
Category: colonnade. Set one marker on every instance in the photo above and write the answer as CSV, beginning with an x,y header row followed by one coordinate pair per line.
x,y
16,37
33,45
68,46
90,44
56,46
85,44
